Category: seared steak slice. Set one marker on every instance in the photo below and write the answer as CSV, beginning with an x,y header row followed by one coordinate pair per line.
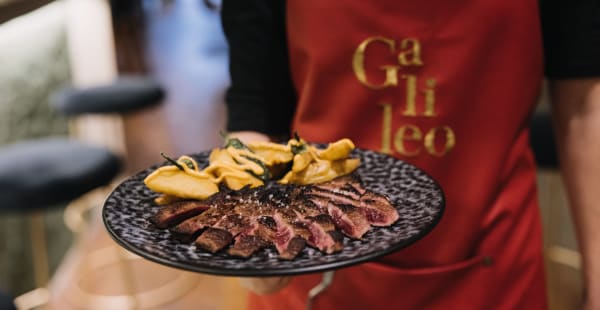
x,y
172,214
346,183
325,222
260,234
241,220
187,229
268,222
299,216
245,245
375,208
222,233
323,234
347,213
234,223
272,204
323,197
294,247
349,219
287,242
346,190
378,209
312,223
214,239
221,204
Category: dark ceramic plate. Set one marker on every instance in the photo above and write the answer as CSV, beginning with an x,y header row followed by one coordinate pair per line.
x,y
418,198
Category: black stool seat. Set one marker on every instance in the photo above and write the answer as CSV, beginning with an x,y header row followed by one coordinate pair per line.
x,y
124,95
41,173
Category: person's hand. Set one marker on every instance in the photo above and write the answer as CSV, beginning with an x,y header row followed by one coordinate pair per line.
x,y
247,136
265,286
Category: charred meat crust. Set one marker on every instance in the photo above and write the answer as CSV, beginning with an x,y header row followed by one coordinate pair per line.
x,y
176,212
214,239
246,245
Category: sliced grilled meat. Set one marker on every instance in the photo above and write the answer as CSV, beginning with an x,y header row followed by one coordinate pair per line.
x,y
172,214
346,212
350,183
241,220
245,245
188,229
262,231
214,239
222,233
288,217
349,219
322,197
220,204
324,236
287,242
378,209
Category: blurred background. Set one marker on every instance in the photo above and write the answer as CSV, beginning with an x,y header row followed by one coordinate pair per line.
x,y
170,59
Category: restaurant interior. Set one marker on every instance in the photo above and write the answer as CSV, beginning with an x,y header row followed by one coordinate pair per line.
x,y
118,82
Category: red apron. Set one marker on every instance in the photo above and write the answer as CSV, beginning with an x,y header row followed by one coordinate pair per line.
x,y
448,86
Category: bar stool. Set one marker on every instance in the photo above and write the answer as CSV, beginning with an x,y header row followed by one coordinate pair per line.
x,y
39,174
124,95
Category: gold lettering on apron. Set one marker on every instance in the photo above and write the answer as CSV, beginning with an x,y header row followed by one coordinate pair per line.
x,y
358,64
429,98
386,130
410,53
408,139
407,133
430,141
411,95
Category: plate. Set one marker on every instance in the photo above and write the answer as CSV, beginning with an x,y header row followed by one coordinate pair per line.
x,y
417,197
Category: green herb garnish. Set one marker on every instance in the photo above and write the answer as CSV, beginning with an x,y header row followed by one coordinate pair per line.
x,y
188,163
237,144
300,147
172,161
265,176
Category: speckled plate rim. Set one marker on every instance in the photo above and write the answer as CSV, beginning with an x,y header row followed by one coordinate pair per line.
x,y
249,272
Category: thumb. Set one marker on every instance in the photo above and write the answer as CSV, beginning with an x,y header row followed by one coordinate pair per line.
x,y
264,286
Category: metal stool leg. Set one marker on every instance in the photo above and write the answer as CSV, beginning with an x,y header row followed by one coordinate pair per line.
x,y
39,250
320,288
128,276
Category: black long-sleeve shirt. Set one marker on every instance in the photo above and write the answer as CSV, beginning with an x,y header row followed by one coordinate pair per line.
x,y
261,96
571,32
